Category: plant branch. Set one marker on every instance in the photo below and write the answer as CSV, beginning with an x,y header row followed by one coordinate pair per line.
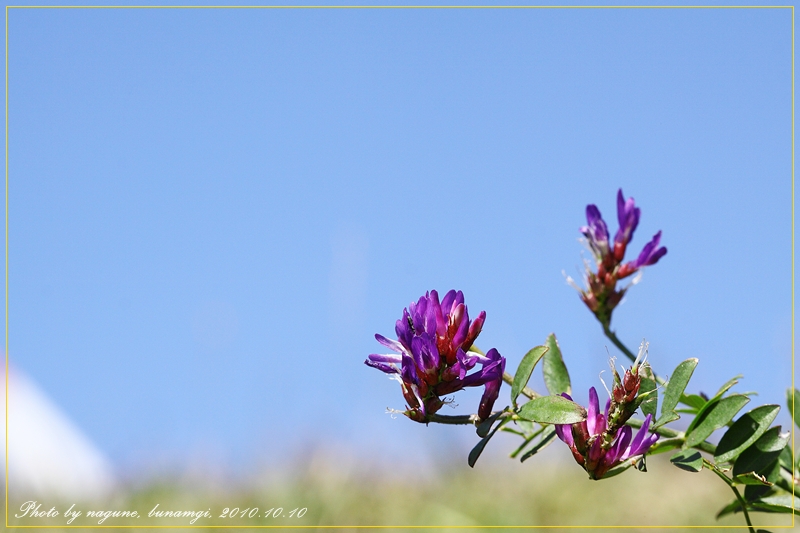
x,y
454,420
527,441
704,446
729,482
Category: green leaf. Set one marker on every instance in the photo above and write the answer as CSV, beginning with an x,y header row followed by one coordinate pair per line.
x,y
677,384
762,453
478,449
716,415
648,385
552,410
545,439
525,369
733,507
695,401
771,473
728,384
782,503
751,478
485,426
556,377
525,425
617,470
666,419
792,400
745,431
689,460
785,458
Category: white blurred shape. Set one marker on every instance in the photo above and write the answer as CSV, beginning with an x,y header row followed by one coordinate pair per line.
x,y
47,454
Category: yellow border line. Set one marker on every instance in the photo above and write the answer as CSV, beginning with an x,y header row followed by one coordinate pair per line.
x,y
386,7
6,266
794,458
400,7
402,527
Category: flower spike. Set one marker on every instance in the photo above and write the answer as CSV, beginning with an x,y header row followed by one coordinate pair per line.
x,y
433,353
601,295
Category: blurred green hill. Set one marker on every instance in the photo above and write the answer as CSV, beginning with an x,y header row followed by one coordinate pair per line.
x,y
336,491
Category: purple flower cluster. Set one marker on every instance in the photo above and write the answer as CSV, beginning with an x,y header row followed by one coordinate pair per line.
x,y
597,446
433,353
601,294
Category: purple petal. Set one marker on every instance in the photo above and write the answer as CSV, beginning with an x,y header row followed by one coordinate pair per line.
x,y
621,211
389,343
650,254
408,372
490,394
418,314
564,432
447,302
467,362
491,370
385,358
618,451
628,217
441,323
383,367
596,451
594,408
596,232
638,445
403,330
459,298
431,322
492,389
425,353
474,330
463,328
593,215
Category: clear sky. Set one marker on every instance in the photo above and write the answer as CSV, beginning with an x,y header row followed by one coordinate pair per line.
x,y
212,212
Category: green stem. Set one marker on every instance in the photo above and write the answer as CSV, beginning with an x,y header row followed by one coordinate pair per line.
x,y
729,482
624,349
671,433
674,442
530,393
454,420
527,441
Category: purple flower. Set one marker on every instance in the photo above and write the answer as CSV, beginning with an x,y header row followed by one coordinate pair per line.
x,y
596,232
628,217
601,295
598,448
649,255
433,353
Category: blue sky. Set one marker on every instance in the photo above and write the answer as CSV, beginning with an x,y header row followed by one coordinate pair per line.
x,y
211,212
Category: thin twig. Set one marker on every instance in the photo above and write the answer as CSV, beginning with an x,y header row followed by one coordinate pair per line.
x,y
729,482
527,441
704,446
455,419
